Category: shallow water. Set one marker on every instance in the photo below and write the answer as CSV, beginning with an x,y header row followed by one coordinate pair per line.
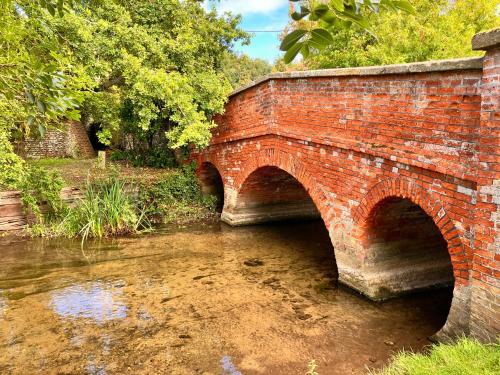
x,y
200,300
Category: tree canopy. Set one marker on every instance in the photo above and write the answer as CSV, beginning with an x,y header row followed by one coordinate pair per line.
x,y
316,19
240,69
438,29
140,66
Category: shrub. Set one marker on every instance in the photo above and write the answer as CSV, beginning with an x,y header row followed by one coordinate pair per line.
x,y
41,193
155,158
177,197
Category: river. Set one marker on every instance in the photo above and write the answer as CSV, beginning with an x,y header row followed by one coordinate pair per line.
x,y
202,299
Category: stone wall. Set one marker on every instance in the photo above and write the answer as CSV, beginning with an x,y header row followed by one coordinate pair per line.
x,y
425,133
72,141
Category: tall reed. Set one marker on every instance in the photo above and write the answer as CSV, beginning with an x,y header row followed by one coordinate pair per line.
x,y
105,210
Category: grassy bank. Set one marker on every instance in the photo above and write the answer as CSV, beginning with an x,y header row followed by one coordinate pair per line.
x,y
120,199
75,172
466,357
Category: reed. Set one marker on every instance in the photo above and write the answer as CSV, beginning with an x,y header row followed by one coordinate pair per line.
x,y
105,210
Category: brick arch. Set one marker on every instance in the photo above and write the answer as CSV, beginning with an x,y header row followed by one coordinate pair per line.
x,y
294,167
210,185
214,162
431,205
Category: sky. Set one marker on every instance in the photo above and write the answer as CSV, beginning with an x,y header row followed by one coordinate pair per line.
x,y
261,15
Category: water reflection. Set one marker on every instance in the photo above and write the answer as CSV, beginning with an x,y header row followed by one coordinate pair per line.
x,y
94,368
3,304
97,301
228,366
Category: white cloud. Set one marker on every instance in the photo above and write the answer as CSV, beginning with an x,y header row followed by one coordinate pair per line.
x,y
247,6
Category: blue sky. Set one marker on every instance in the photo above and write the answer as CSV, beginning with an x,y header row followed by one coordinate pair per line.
x,y
258,15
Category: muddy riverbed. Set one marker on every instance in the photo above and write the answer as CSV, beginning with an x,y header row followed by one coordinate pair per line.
x,y
207,299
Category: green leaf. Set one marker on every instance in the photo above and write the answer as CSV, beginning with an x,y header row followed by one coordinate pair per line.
x,y
318,12
30,97
291,39
330,18
41,129
321,37
404,5
292,52
297,16
338,5
356,18
30,120
60,7
51,9
41,106
305,50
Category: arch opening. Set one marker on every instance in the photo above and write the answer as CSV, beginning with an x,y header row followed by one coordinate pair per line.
x,y
212,184
270,194
405,250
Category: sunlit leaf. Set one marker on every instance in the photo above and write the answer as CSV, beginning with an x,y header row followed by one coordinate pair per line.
x,y
292,52
291,39
404,5
321,37
304,51
338,4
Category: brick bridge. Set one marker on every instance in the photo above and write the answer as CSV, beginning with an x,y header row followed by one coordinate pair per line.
x,y
401,162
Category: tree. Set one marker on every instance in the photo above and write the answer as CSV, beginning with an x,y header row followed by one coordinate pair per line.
x,y
439,29
241,69
154,66
134,65
34,91
317,18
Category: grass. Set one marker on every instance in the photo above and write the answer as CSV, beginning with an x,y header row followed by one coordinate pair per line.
x,y
465,357
75,171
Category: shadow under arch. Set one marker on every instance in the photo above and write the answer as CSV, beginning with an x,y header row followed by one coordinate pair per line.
x,y
431,205
273,187
211,182
400,225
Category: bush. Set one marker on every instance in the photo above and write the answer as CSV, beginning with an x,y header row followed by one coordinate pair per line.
x,y
177,197
155,158
465,357
41,193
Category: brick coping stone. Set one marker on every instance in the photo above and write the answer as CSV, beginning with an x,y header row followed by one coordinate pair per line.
x,y
419,67
487,40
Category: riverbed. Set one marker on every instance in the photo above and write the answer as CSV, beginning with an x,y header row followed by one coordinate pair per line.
x,y
202,299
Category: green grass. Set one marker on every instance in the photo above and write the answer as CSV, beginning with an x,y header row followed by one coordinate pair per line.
x,y
465,357
75,171
53,162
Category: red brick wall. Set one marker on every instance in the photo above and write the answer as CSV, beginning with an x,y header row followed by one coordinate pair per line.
x,y
485,306
354,138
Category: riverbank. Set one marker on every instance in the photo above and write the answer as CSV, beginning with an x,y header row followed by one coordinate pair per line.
x,y
75,172
100,202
